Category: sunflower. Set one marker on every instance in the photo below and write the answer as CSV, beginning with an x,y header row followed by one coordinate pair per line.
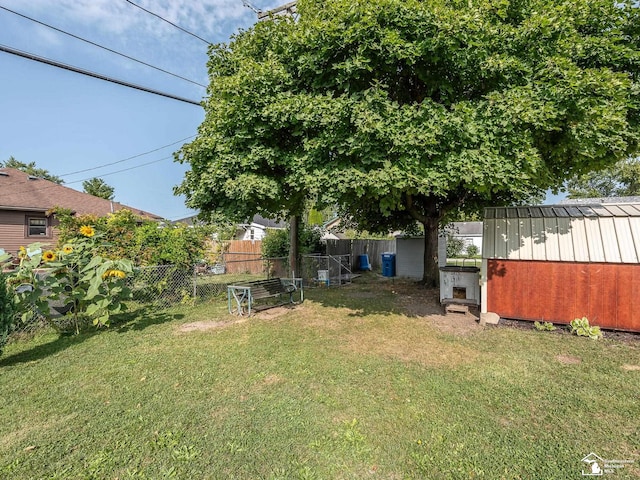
x,y
67,249
87,231
114,273
48,256
22,252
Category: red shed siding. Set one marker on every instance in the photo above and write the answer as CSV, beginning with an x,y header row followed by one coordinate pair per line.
x,y
608,294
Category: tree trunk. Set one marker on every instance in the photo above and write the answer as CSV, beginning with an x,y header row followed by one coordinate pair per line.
x,y
294,245
431,273
429,214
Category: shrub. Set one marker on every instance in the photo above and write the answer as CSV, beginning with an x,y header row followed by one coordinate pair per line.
x,y
546,326
454,246
472,251
581,327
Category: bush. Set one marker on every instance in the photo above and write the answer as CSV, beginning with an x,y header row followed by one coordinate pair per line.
x,y
276,243
454,246
472,251
581,327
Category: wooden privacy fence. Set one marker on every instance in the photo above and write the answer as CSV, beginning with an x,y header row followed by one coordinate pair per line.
x,y
373,248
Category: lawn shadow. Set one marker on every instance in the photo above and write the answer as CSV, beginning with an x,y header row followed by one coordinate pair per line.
x,y
381,296
62,342
135,319
143,317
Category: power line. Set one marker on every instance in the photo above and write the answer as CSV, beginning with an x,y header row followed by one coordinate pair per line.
x,y
36,58
124,159
109,164
55,185
170,23
102,47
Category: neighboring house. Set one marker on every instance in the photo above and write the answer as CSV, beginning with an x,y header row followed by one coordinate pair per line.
x,y
469,232
257,228
25,202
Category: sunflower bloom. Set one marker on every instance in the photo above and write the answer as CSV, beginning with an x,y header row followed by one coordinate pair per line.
x,y
48,256
22,252
87,231
67,249
113,273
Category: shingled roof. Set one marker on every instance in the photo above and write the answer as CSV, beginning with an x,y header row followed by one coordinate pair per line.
x,y
21,191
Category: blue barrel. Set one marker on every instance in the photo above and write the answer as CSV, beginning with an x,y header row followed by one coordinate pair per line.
x,y
388,264
364,262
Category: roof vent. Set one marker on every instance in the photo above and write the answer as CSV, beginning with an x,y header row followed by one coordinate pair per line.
x,y
32,177
4,174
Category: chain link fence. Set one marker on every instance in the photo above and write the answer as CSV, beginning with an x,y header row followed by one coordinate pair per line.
x,y
165,285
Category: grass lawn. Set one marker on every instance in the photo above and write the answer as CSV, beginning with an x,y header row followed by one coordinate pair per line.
x,y
366,381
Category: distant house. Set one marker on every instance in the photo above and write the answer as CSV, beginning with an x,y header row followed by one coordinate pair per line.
x,y
25,202
257,228
469,232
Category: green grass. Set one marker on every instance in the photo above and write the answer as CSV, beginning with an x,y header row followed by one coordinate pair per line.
x,y
345,386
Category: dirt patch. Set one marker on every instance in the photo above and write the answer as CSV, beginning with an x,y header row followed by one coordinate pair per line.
x,y
629,367
208,325
455,324
568,359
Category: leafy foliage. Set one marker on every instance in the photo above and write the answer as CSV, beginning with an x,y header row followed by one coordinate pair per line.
x,y
98,188
31,169
398,111
619,180
581,327
455,246
276,243
86,285
6,310
145,242
544,326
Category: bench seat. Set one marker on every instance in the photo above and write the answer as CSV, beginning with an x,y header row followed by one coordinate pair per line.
x,y
243,295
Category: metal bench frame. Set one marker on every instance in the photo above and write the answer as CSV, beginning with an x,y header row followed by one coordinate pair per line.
x,y
246,293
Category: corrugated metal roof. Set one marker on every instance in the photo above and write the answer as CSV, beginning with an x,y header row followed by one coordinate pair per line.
x,y
568,233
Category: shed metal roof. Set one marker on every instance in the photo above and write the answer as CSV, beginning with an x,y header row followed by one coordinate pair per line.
x,y
608,233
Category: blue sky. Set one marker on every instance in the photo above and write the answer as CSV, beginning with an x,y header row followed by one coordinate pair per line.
x,y
66,122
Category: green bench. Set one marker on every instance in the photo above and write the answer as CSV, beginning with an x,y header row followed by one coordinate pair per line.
x,y
242,297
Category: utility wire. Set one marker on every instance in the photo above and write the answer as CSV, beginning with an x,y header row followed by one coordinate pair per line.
x,y
112,163
102,47
169,22
36,58
55,185
124,159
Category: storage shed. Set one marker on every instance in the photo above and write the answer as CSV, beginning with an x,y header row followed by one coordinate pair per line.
x,y
561,262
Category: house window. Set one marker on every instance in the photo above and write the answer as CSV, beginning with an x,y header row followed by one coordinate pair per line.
x,y
37,227
252,234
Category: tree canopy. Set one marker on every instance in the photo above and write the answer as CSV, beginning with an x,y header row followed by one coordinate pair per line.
x,y
619,180
405,110
31,169
98,188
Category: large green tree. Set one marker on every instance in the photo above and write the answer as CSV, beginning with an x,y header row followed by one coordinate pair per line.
x,y
619,180
405,110
98,188
31,169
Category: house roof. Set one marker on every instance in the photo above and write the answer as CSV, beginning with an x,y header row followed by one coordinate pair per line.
x,y
607,233
466,229
576,210
21,191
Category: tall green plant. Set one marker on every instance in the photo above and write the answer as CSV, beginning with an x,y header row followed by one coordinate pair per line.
x,y
90,286
6,311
